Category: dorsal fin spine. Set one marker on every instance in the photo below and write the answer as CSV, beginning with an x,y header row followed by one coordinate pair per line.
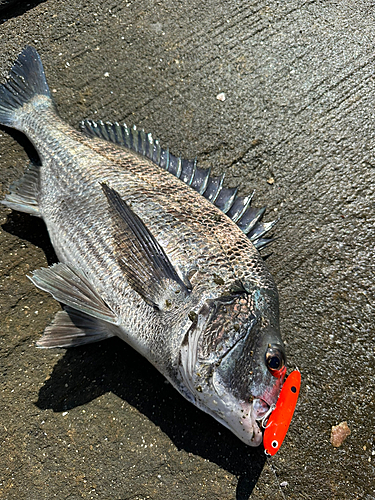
x,y
111,132
246,203
105,130
179,167
207,172
219,188
265,227
216,189
114,133
193,172
142,137
262,243
127,137
167,160
134,138
254,221
157,152
230,201
150,146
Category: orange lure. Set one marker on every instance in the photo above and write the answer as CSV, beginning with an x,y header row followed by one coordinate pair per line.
x,y
279,420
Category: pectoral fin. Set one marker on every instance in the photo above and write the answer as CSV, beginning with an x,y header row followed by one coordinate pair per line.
x,y
71,287
144,262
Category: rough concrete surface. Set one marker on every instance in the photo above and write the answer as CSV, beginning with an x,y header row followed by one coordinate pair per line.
x,y
299,85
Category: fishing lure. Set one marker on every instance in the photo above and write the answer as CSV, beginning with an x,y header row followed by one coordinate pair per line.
x,y
279,420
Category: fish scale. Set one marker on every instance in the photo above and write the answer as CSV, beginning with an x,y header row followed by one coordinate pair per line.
x,y
151,249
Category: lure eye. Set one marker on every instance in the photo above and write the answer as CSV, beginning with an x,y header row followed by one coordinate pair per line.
x,y
275,361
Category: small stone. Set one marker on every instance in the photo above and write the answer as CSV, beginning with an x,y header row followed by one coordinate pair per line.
x,y
221,96
271,180
339,433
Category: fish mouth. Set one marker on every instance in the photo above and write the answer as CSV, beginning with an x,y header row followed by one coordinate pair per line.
x,y
261,411
264,406
247,418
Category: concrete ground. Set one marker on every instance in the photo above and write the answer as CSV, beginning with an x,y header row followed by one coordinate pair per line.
x,y
297,124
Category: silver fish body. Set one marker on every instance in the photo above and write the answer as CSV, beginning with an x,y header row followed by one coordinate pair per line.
x,y
145,257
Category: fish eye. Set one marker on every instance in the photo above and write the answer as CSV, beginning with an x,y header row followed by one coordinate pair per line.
x,y
275,361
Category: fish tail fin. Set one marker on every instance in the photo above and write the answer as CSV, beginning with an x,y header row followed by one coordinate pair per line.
x,y
26,80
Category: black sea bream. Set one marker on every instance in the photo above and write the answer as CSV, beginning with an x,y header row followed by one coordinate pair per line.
x,y
153,250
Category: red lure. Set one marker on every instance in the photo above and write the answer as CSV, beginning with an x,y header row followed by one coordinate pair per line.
x,y
279,420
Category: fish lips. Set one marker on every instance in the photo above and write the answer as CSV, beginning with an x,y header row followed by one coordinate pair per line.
x,y
243,418
264,406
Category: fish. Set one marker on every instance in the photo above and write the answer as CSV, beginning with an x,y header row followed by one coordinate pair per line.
x,y
151,249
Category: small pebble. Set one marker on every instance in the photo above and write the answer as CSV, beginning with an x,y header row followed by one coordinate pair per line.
x,y
221,96
271,180
339,433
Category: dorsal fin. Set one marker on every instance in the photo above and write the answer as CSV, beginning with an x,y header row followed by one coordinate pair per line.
x,y
238,208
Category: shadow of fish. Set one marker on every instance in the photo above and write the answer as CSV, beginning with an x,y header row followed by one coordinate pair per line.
x,y
153,250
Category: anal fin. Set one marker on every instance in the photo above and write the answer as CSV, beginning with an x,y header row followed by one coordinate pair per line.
x,y
71,328
23,194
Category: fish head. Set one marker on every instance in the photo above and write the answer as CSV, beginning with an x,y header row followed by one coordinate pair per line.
x,y
233,360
